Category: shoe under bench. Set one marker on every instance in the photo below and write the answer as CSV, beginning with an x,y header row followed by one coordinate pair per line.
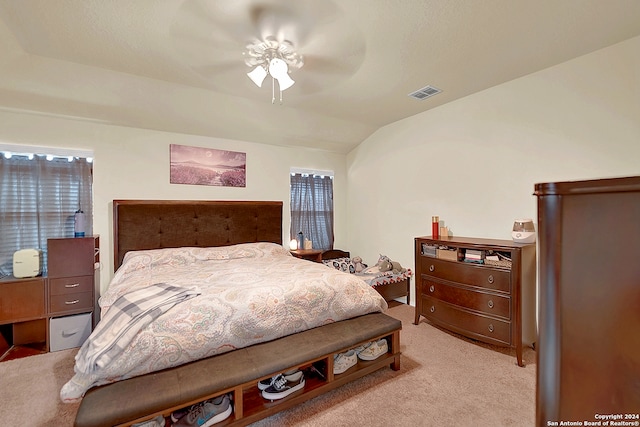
x,y
237,372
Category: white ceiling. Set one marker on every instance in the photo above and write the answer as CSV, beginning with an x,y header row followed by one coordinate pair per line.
x,y
177,65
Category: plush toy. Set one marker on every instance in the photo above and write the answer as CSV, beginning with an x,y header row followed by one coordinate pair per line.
x,y
382,266
358,264
394,266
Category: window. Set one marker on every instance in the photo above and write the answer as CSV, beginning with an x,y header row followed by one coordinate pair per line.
x,y
312,207
39,197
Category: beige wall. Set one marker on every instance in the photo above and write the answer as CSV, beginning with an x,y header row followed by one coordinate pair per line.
x,y
474,162
134,164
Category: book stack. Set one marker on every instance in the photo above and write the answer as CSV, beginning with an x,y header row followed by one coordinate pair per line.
x,y
474,256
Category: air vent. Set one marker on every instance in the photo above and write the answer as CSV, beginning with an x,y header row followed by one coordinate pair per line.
x,y
425,92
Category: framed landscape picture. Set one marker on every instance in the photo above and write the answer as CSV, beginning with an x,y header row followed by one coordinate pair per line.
x,y
207,166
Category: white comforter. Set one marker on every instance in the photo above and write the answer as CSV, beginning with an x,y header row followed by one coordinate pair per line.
x,y
248,294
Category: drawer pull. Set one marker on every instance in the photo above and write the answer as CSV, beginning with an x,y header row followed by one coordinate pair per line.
x,y
490,278
490,303
72,285
75,301
432,267
490,327
432,288
432,309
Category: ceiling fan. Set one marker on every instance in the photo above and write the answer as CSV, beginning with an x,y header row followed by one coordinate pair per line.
x,y
223,42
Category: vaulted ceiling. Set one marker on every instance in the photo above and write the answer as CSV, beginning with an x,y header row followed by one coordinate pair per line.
x,y
178,66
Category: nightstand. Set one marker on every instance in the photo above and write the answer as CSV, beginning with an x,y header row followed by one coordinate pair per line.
x,y
314,255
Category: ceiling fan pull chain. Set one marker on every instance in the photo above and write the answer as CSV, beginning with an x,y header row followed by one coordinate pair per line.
x,y
273,90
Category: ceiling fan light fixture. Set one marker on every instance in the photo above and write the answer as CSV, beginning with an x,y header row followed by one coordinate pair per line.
x,y
273,58
257,75
285,82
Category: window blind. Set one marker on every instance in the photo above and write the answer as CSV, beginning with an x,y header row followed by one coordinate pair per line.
x,y
38,201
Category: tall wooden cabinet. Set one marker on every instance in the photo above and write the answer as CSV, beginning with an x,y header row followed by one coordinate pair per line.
x,y
589,315
71,288
493,303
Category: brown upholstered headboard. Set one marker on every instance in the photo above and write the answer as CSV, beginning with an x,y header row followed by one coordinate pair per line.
x,y
155,224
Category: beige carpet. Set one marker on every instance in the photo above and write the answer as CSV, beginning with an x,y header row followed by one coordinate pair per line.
x,y
444,380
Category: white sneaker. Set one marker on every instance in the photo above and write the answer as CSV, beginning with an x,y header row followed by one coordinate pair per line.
x,y
375,350
343,361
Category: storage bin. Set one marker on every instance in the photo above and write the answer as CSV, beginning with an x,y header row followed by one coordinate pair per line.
x,y
69,331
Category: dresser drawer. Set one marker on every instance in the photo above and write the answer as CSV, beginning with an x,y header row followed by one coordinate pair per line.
x,y
70,285
71,302
460,320
489,303
473,275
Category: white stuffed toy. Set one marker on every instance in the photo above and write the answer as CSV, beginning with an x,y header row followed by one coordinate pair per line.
x,y
357,263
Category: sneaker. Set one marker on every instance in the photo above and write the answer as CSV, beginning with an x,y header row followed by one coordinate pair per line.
x,y
176,415
359,349
207,413
375,350
343,361
284,386
268,382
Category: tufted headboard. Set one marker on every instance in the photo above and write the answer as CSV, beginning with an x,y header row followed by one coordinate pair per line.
x,y
155,224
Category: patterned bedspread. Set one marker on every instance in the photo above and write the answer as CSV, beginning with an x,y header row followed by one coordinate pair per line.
x,y
248,294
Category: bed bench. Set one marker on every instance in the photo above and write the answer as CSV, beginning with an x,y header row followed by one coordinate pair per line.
x,y
145,397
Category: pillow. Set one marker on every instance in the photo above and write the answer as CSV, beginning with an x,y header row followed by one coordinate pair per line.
x,y
342,264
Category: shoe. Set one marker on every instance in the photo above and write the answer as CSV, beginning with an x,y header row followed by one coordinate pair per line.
x,y
268,382
283,386
375,350
359,349
207,413
343,361
176,415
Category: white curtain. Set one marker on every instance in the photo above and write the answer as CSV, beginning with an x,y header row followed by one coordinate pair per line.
x,y
312,209
38,201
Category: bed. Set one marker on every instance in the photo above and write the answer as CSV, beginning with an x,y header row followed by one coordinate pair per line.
x,y
390,286
157,244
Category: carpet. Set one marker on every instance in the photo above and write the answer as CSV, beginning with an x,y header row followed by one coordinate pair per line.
x,y
444,379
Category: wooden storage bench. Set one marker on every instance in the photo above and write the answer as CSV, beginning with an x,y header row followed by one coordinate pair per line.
x,y
238,372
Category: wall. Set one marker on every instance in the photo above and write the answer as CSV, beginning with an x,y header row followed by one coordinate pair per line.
x,y
134,164
474,162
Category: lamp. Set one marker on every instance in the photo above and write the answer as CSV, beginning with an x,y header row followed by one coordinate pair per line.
x,y
274,58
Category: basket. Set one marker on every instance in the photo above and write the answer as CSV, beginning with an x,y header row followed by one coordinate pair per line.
x,y
500,263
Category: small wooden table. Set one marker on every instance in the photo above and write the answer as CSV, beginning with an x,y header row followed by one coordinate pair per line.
x,y
308,254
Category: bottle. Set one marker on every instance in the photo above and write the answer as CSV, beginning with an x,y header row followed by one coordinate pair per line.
x,y
435,227
300,240
79,223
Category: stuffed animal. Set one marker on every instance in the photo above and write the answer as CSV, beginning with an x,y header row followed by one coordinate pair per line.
x,y
382,266
358,264
395,266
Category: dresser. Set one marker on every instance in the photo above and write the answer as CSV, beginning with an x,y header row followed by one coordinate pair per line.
x,y
589,317
493,303
71,288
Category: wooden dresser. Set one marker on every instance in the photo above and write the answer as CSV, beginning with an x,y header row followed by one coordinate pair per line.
x,y
589,343
490,303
